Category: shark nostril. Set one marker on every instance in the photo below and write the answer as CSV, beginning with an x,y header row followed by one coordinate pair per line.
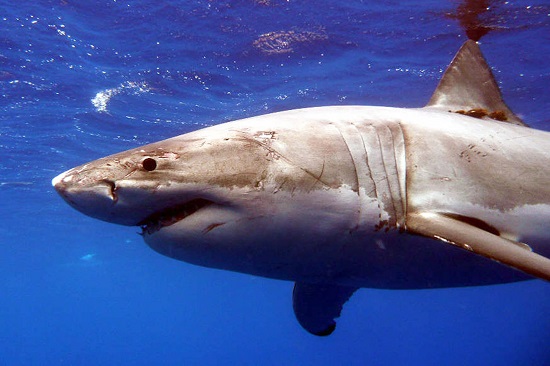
x,y
114,188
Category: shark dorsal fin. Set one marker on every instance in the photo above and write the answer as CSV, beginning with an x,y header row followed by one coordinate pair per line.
x,y
469,87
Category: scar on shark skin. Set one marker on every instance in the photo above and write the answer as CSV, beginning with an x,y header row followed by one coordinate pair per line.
x,y
480,113
212,226
277,154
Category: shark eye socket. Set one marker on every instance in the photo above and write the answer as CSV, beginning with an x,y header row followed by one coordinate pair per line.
x,y
149,164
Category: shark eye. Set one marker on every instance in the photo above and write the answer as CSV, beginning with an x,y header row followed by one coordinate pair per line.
x,y
149,164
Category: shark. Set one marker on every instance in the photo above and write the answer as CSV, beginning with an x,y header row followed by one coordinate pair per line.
x,y
338,198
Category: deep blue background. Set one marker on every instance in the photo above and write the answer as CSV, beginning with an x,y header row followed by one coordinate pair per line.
x,y
78,291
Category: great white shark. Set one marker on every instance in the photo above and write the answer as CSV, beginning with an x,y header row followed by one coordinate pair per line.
x,y
337,198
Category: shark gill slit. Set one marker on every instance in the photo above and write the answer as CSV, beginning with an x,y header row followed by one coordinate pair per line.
x,y
388,198
401,165
352,158
395,185
385,174
398,189
355,144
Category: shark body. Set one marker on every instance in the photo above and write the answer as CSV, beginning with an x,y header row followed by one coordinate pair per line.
x,y
337,198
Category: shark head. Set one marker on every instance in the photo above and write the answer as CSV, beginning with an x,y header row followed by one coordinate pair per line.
x,y
161,184
227,195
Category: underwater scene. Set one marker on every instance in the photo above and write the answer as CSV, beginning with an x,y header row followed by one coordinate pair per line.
x,y
82,80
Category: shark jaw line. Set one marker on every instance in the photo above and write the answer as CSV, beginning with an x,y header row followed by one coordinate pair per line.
x,y
171,215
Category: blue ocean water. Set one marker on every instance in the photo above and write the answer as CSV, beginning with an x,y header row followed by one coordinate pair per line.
x,y
83,79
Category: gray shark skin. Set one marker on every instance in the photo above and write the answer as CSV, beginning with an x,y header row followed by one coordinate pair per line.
x,y
338,198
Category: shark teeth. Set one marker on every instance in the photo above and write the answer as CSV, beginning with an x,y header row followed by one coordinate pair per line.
x,y
171,215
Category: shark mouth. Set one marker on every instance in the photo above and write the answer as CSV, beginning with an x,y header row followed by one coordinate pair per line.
x,y
171,215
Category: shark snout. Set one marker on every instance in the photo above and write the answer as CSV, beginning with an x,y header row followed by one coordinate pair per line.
x,y
69,184
95,198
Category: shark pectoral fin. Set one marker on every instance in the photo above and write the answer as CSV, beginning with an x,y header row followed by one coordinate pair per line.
x,y
317,305
475,239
